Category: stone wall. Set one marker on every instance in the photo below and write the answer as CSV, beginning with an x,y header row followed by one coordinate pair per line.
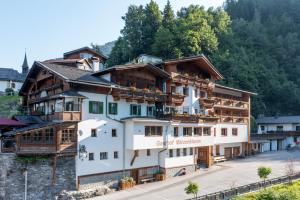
x,y
176,171
12,179
107,179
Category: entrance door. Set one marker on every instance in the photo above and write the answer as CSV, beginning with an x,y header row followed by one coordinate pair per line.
x,y
236,151
135,175
228,152
279,144
217,150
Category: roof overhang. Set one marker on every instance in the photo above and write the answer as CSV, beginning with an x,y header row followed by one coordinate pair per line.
x,y
144,119
200,59
234,89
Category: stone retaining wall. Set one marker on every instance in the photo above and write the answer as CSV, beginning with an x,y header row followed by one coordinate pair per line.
x,y
176,171
107,179
12,179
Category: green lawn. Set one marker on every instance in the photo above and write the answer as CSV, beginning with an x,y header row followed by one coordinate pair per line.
x,y
279,192
9,105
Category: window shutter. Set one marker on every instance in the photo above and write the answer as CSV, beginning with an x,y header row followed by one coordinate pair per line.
x,y
154,110
116,108
109,108
90,107
130,109
139,110
100,107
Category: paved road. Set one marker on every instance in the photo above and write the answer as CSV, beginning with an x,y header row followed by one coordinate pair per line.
x,y
219,177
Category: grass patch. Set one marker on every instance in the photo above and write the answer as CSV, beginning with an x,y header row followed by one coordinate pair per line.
x,y
278,192
31,159
10,105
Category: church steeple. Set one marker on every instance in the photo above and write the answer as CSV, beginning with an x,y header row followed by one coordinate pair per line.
x,y
25,67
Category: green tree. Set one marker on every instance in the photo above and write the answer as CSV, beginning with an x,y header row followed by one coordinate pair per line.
x,y
264,172
192,188
168,21
151,23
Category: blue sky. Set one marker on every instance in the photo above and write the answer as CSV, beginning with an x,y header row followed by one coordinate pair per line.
x,y
47,28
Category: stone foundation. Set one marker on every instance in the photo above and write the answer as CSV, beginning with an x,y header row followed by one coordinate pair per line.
x,y
176,171
98,180
39,177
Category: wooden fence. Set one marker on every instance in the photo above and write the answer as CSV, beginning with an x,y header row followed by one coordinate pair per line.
x,y
230,193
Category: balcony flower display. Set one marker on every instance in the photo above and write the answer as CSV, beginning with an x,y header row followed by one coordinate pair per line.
x,y
158,91
132,88
146,90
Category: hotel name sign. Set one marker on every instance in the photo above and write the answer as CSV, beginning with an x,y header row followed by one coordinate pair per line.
x,y
178,142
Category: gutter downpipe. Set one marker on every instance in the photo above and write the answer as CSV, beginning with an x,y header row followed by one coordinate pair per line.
x,y
165,148
107,116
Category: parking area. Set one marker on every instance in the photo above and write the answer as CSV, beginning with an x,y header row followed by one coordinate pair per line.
x,y
219,177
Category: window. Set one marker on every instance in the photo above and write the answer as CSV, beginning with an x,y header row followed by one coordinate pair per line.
x,y
49,135
234,131
224,131
151,110
103,155
112,108
96,107
198,131
178,152
185,110
94,133
176,132
91,156
114,132
196,93
186,91
279,128
184,152
171,153
116,155
297,128
68,136
262,128
135,109
191,151
187,131
173,89
153,130
37,136
148,152
206,131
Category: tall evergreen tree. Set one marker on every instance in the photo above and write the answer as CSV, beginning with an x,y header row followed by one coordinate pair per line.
x,y
151,23
168,17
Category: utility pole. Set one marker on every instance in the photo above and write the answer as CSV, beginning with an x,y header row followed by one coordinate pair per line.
x,y
25,174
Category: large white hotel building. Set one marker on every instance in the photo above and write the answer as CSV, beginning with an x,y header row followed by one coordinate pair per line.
x,y
133,119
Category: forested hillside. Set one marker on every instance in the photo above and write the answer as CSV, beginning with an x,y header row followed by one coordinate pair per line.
x,y
254,43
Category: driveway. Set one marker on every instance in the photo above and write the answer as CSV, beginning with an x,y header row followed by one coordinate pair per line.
x,y
219,177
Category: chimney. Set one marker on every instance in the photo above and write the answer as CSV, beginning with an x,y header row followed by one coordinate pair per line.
x,y
95,64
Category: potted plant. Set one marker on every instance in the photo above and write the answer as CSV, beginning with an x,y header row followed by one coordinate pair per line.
x,y
126,182
158,91
146,90
160,176
132,88
123,183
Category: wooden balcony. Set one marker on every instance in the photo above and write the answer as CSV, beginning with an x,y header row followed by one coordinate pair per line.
x,y
233,119
176,99
140,95
270,135
231,104
180,79
63,116
207,103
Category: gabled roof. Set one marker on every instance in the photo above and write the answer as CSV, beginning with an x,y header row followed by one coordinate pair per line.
x,y
68,73
84,49
279,120
30,127
201,59
8,74
148,66
28,119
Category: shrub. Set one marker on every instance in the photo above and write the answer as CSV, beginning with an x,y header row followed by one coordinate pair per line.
x,y
264,172
192,188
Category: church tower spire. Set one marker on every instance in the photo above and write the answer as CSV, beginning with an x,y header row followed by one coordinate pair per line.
x,y
25,67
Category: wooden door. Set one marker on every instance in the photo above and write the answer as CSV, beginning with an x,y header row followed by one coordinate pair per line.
x,y
217,150
236,151
202,155
228,152
135,175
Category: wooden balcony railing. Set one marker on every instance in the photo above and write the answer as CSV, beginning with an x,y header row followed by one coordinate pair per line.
x,y
176,98
207,103
140,95
229,103
185,79
190,118
275,135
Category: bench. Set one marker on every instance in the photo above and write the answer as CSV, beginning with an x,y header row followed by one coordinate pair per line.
x,y
147,178
219,159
